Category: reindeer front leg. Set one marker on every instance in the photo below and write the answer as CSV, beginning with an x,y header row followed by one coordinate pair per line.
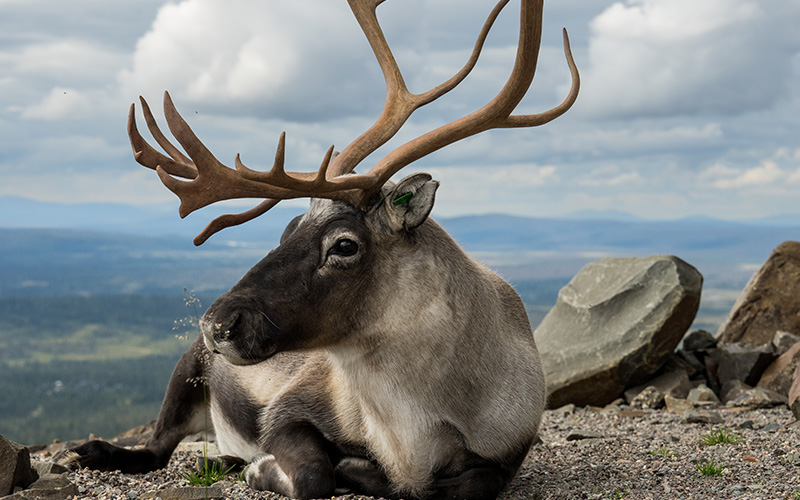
x,y
298,464
480,483
180,415
479,478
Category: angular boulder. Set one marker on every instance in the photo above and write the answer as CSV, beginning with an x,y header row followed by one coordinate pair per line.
x,y
674,383
614,325
778,376
741,361
794,394
15,467
768,303
783,341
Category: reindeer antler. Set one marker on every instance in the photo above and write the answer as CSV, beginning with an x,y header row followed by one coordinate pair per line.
x,y
209,181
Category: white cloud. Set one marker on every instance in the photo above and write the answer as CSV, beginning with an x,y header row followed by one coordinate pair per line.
x,y
60,104
766,174
688,57
689,98
137,186
265,58
66,61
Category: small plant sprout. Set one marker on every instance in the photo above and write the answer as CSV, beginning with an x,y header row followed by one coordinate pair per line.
x,y
618,493
662,452
208,474
709,468
719,436
791,458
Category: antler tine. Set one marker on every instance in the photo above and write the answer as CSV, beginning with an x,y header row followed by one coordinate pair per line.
x,y
456,79
214,181
495,114
230,220
553,113
400,103
211,181
146,155
162,141
277,176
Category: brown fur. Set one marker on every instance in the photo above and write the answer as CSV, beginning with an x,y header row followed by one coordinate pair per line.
x,y
401,369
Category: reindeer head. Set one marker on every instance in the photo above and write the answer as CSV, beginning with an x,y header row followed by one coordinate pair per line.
x,y
317,287
287,301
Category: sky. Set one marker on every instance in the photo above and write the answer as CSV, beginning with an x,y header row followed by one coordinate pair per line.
x,y
687,108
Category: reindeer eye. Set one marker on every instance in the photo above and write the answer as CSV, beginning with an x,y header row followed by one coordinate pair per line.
x,y
344,247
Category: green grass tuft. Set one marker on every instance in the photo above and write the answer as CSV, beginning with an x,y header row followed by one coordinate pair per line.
x,y
709,468
209,474
719,436
662,452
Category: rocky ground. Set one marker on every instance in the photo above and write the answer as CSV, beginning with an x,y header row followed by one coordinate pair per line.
x,y
611,453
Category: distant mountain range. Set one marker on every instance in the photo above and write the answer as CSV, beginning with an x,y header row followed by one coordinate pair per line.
x,y
49,248
144,220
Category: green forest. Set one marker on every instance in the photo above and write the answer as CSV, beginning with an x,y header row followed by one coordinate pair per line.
x,y
75,365
70,366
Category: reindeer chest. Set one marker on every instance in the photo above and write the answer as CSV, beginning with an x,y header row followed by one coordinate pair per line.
x,y
405,437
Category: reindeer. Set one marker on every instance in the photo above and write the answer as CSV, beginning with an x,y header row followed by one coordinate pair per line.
x,y
367,352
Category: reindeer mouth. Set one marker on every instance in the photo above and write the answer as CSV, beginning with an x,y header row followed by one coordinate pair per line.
x,y
239,344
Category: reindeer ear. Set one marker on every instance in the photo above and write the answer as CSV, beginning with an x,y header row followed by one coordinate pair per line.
x,y
411,201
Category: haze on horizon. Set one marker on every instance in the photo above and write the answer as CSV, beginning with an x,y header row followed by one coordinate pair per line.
x,y
686,108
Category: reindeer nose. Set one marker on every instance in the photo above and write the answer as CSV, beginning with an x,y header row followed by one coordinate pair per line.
x,y
221,329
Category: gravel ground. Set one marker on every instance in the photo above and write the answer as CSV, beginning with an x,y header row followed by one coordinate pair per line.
x,y
585,454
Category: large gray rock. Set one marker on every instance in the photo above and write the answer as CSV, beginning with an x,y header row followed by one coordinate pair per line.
x,y
742,361
15,467
49,487
614,325
778,376
187,493
768,303
794,393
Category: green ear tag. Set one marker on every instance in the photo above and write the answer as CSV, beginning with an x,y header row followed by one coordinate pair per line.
x,y
402,198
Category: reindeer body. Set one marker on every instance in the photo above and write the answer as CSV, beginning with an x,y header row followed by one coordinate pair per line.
x,y
446,366
367,352
420,373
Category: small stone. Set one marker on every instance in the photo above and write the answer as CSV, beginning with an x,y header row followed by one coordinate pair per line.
x,y
631,413
757,398
694,361
45,468
733,389
565,410
771,427
213,492
580,435
701,395
649,399
674,382
698,340
676,405
783,341
702,417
